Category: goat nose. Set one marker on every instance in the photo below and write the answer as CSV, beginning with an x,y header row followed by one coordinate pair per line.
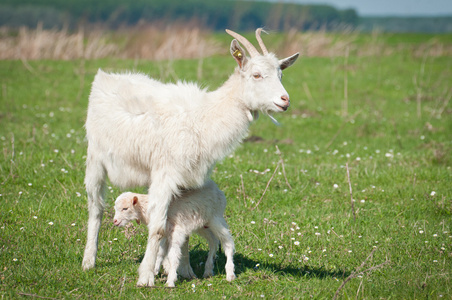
x,y
115,221
286,100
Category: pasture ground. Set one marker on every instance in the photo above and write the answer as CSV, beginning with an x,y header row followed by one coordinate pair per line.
x,y
387,116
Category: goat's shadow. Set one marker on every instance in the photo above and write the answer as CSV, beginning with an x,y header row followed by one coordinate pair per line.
x,y
242,264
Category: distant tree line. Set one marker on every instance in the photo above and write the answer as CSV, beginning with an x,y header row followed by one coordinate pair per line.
x,y
216,15
441,24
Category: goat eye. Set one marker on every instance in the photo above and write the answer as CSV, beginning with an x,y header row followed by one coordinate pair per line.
x,y
125,208
257,75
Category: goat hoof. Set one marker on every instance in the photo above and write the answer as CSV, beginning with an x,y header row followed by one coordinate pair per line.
x,y
207,274
87,264
230,277
143,282
187,272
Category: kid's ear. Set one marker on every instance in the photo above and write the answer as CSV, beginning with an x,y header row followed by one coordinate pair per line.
x,y
288,61
238,54
135,200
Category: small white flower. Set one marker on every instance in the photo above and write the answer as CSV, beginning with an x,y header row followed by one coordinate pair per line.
x,y
30,184
435,235
252,222
335,186
317,233
362,201
50,223
421,231
280,247
73,224
14,259
78,194
35,217
271,255
296,243
56,150
433,193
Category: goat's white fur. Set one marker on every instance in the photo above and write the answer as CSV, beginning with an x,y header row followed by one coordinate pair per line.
x,y
200,211
168,137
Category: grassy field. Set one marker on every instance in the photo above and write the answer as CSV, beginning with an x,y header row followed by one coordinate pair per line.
x,y
386,116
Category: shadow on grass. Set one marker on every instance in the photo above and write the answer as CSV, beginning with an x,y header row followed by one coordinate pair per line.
x,y
243,264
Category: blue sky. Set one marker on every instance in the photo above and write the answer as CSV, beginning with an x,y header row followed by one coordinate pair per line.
x,y
390,7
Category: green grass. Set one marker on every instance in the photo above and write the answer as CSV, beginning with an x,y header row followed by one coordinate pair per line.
x,y
298,243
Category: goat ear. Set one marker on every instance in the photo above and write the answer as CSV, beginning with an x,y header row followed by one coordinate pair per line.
x,y
238,54
135,200
288,61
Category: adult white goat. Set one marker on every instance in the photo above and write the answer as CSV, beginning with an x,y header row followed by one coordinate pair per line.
x,y
168,137
201,211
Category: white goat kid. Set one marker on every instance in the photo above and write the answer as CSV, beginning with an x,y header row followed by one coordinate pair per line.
x,y
168,137
200,211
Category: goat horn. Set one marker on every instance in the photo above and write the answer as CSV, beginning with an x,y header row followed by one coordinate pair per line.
x,y
261,42
251,49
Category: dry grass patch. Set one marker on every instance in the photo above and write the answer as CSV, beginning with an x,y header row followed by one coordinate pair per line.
x,y
144,42
55,44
